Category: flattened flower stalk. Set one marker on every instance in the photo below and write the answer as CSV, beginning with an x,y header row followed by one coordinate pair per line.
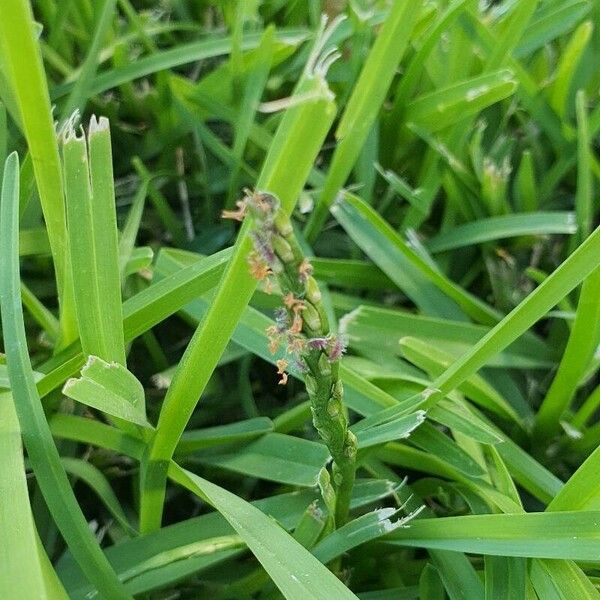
x,y
302,328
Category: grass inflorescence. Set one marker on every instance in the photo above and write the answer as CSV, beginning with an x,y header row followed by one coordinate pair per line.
x,y
302,327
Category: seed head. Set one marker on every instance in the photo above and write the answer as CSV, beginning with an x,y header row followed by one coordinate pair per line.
x,y
300,365
281,319
337,347
305,270
274,337
259,269
282,365
264,247
296,344
291,301
318,343
296,327
236,215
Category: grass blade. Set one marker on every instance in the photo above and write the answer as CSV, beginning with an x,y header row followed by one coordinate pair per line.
x,y
569,535
555,287
506,226
404,266
111,388
297,573
79,94
20,567
580,349
93,241
364,104
284,174
42,452
25,72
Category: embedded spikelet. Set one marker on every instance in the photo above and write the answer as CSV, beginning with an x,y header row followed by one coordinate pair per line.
x,y
318,343
262,204
295,345
300,365
290,300
296,327
282,319
236,215
265,202
337,347
264,247
259,269
274,335
268,286
282,365
305,270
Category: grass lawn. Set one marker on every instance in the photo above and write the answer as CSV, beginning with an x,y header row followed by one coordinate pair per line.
x,y
299,299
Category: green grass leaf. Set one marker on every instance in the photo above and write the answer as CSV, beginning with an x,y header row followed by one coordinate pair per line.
x,y
364,104
568,275
93,241
241,431
293,569
569,535
447,106
22,60
498,228
42,452
20,564
274,457
110,388
432,291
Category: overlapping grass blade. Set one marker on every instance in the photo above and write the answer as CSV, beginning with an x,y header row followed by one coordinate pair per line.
x,y
507,226
20,567
405,267
364,104
29,88
284,173
568,275
568,535
294,570
41,449
173,57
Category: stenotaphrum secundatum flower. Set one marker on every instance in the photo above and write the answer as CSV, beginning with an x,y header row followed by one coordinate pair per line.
x,y
301,327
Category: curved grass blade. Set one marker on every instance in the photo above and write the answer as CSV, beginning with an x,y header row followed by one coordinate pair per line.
x,y
561,580
273,457
407,269
506,226
111,388
551,20
134,555
579,352
79,93
567,67
174,57
554,288
582,491
295,571
95,479
445,107
241,431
